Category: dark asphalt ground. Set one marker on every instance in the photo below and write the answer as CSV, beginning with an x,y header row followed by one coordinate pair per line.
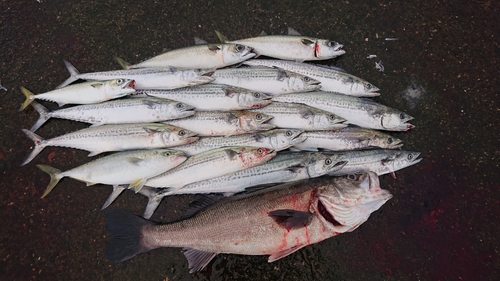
x,y
441,224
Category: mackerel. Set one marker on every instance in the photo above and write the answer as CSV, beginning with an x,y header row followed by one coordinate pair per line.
x,y
146,78
277,139
299,116
332,79
219,123
350,138
213,97
138,110
266,80
362,112
115,138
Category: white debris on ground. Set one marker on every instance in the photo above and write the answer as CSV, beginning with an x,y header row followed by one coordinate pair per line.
x,y
413,94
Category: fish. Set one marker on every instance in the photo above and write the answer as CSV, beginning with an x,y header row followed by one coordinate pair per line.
x,y
200,56
380,161
350,138
212,163
285,167
127,167
358,111
213,97
266,80
146,78
115,138
276,221
83,93
219,123
302,117
332,79
277,139
290,47
138,110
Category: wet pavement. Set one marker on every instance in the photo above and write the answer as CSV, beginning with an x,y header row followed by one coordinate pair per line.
x,y
441,223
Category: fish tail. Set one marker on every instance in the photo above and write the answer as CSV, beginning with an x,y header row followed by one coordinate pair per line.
x,y
39,145
222,38
44,115
73,74
122,63
126,233
29,98
55,177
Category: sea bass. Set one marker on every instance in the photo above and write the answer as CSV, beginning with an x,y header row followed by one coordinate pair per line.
x,y
115,138
290,47
302,117
277,139
361,112
266,80
200,56
332,79
219,123
84,93
276,221
213,97
128,167
146,78
138,110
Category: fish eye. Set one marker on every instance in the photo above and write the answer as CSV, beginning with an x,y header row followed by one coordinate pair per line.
x,y
328,161
166,153
258,116
389,140
351,177
410,156
182,133
332,117
179,105
256,95
369,86
307,79
402,116
240,48
331,43
119,81
260,150
288,133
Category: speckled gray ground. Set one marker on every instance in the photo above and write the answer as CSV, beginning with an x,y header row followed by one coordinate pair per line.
x,y
441,223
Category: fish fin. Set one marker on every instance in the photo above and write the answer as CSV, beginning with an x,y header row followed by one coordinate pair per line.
x,y
89,183
259,187
155,195
122,63
393,175
293,148
200,202
284,253
222,38
137,184
258,137
299,61
229,92
150,104
306,113
55,177
281,74
44,115
197,259
126,235
173,69
135,160
292,31
39,145
96,85
29,98
213,47
364,141
307,42
117,190
73,74
199,41
231,153
291,219
150,131
263,33
94,153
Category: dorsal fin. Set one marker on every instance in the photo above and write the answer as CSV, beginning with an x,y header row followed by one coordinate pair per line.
x,y
199,41
221,37
263,33
201,201
122,63
292,31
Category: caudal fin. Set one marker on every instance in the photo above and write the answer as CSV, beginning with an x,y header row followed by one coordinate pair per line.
x,y
29,98
126,233
73,74
39,145
44,115
55,177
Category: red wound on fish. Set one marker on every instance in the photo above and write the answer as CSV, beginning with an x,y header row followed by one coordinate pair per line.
x,y
291,219
325,214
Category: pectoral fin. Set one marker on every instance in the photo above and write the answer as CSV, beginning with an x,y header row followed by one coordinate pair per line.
x,y
197,259
282,254
291,219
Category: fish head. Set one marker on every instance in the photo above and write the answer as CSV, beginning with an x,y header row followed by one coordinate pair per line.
x,y
251,99
328,121
301,83
255,121
252,156
398,160
120,87
235,53
320,164
196,76
161,158
348,201
281,139
181,109
395,120
361,88
327,49
383,140
177,135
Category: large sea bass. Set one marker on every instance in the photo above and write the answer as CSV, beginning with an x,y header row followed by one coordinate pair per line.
x,y
276,221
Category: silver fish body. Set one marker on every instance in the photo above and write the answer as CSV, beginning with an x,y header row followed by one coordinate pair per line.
x,y
265,80
138,110
219,123
302,117
277,139
276,221
213,97
351,138
115,138
332,79
361,112
200,56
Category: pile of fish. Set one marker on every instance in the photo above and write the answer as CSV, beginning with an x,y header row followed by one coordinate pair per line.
x,y
294,148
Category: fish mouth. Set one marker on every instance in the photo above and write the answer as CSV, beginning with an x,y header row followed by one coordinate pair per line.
x,y
208,74
130,84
